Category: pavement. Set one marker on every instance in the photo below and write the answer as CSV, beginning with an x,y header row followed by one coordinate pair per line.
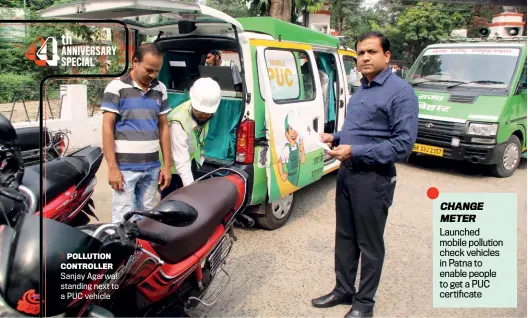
x,y
277,273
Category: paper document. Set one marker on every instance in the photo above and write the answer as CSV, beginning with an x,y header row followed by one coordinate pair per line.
x,y
323,145
315,138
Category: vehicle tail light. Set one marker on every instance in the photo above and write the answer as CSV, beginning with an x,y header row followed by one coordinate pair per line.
x,y
61,146
246,142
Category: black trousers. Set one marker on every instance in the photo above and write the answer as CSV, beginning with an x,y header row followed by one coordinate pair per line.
x,y
176,182
363,197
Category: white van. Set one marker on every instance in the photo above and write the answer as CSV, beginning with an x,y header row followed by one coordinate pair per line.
x,y
269,127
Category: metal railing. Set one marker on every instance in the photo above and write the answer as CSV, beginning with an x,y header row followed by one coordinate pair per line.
x,y
23,96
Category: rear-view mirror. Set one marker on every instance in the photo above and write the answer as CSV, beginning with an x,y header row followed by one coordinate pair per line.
x,y
174,213
8,134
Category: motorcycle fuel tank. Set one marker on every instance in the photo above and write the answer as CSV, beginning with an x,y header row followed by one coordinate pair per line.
x,y
20,265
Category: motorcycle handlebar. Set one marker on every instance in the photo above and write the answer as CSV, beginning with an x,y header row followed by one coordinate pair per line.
x,y
32,198
151,237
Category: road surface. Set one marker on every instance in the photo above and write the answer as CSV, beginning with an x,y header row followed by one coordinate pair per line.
x,y
277,273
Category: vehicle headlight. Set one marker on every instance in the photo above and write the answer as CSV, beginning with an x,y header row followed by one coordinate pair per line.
x,y
482,129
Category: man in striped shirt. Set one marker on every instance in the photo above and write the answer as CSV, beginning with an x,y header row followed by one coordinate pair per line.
x,y
135,110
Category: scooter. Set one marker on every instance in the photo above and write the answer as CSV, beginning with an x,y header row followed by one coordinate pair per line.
x,y
160,265
68,182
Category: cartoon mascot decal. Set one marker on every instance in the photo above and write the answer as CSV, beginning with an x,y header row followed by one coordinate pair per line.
x,y
291,154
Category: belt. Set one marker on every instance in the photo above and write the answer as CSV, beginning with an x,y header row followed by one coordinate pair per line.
x,y
363,167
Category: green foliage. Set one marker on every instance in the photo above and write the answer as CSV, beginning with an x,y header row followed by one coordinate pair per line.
x,y
12,59
480,18
258,8
33,5
28,74
425,24
17,85
409,26
234,8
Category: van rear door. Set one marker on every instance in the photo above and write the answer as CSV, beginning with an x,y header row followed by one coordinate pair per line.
x,y
294,116
349,62
173,18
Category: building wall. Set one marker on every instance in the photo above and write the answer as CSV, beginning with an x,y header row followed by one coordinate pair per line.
x,y
501,24
85,129
319,22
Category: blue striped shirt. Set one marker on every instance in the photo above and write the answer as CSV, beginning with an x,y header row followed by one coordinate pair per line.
x,y
136,131
381,121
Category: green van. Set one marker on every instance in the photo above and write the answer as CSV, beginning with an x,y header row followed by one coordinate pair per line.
x,y
295,84
472,98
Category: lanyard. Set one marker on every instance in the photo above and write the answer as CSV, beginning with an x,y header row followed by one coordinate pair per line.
x,y
198,134
199,137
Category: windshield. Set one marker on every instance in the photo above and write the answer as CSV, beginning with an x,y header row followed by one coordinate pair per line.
x,y
477,67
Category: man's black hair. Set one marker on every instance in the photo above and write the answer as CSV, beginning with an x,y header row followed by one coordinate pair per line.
x,y
385,43
216,52
145,48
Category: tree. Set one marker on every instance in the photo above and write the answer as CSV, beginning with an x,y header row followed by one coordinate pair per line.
x,y
19,75
280,9
340,13
258,8
425,24
355,20
234,8
305,7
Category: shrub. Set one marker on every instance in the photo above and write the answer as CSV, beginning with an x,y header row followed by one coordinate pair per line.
x,y
19,86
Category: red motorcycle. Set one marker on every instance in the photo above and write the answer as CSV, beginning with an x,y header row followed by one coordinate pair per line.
x,y
68,182
160,265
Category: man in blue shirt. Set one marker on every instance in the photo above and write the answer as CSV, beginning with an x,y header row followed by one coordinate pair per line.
x,y
379,130
135,108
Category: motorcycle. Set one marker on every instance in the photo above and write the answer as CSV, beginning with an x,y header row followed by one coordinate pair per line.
x,y
68,182
160,265
56,144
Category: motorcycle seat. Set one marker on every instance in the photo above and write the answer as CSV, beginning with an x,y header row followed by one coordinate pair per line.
x,y
28,138
60,174
213,199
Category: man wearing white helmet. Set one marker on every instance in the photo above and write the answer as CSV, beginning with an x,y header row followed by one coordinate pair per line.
x,y
189,125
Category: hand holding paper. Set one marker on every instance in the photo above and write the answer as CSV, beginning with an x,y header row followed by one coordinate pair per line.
x,y
308,134
323,145
327,140
341,153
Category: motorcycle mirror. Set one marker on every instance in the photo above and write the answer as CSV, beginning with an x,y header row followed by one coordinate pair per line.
x,y
8,135
174,213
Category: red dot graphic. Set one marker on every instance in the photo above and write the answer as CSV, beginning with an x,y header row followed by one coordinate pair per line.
x,y
433,193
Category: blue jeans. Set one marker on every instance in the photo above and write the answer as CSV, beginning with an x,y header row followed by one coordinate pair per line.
x,y
140,193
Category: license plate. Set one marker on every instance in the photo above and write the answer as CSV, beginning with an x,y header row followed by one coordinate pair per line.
x,y
430,150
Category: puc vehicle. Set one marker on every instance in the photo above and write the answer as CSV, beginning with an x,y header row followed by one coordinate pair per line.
x,y
294,86
472,98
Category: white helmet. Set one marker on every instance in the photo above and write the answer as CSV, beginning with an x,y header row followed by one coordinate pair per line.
x,y
205,95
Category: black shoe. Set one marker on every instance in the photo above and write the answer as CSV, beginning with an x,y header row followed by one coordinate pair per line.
x,y
356,313
331,300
